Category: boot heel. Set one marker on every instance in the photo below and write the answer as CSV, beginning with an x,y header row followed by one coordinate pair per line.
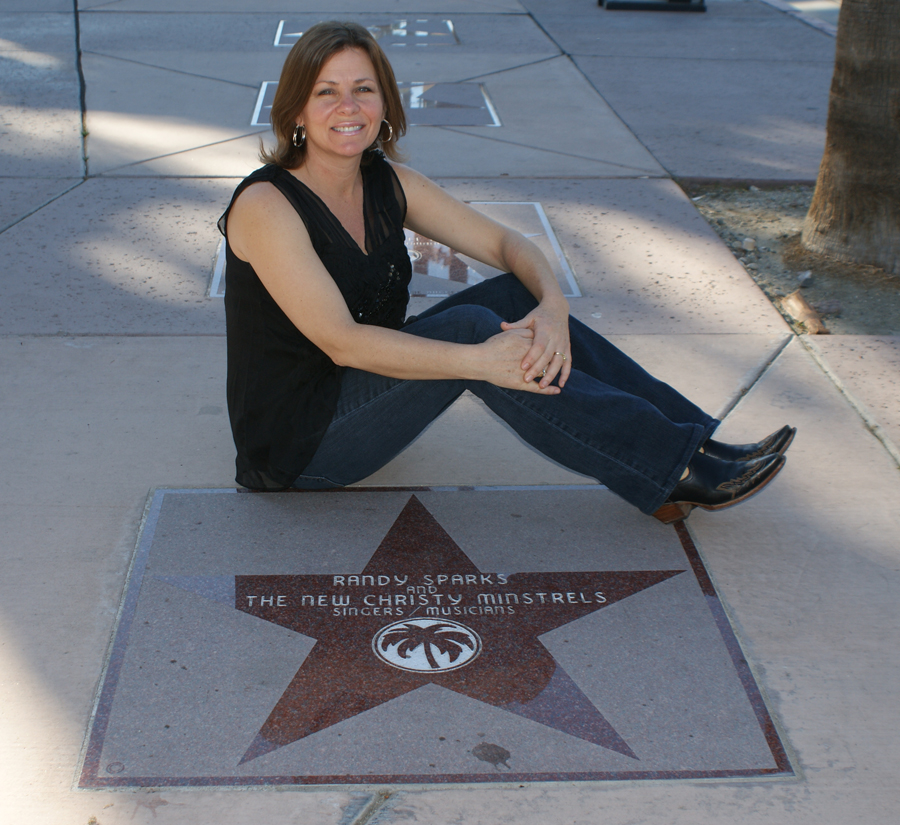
x,y
672,511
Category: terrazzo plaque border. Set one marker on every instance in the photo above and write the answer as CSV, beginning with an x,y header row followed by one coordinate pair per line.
x,y
556,710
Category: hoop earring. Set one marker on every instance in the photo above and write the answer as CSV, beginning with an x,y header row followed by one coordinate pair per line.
x,y
390,136
302,140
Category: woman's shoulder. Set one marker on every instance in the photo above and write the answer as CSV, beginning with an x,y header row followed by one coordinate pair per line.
x,y
407,176
260,193
270,173
419,192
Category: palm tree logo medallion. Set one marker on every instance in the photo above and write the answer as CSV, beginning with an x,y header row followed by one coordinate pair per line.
x,y
426,645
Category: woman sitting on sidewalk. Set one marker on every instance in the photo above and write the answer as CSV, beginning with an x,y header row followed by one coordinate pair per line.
x,y
327,378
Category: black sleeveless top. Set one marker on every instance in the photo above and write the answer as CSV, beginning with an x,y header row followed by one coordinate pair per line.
x,y
282,389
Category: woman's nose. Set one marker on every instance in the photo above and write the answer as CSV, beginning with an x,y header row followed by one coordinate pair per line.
x,y
348,102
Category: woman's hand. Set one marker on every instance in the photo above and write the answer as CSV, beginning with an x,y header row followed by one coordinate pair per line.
x,y
435,214
550,349
500,361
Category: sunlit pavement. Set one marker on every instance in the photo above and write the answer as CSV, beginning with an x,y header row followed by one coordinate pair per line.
x,y
113,360
825,10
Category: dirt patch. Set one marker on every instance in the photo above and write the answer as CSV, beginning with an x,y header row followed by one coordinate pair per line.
x,y
762,228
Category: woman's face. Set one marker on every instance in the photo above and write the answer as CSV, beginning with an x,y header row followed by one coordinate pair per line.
x,y
344,112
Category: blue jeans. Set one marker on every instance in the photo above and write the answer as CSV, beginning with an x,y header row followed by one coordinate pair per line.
x,y
612,421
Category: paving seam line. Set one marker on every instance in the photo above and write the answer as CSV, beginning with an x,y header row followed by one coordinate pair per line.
x,y
537,62
787,8
639,173
757,664
597,91
868,419
169,69
757,374
134,563
377,803
82,87
109,172
37,209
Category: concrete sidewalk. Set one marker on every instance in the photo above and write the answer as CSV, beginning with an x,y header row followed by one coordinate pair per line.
x,y
113,360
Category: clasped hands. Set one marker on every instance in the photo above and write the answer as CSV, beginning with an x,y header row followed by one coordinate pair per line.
x,y
534,351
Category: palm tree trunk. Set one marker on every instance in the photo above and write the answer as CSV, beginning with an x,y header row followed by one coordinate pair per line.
x,y
855,211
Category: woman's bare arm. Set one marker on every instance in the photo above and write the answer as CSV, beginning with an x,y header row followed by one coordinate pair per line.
x,y
434,213
265,230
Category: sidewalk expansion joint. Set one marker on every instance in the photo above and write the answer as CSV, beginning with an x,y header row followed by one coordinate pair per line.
x,y
637,170
377,803
510,68
787,8
168,69
568,55
37,209
109,172
755,378
103,6
861,410
82,87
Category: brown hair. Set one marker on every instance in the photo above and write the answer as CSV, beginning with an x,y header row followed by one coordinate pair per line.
x,y
299,74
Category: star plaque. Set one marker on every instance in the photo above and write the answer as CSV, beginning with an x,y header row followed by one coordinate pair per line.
x,y
416,631
420,612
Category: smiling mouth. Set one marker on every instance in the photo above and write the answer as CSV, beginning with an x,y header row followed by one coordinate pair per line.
x,y
347,130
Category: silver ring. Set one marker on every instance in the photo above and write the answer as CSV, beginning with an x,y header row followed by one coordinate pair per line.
x,y
543,372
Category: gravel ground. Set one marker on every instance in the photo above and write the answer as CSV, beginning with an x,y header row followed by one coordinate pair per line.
x,y
762,227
